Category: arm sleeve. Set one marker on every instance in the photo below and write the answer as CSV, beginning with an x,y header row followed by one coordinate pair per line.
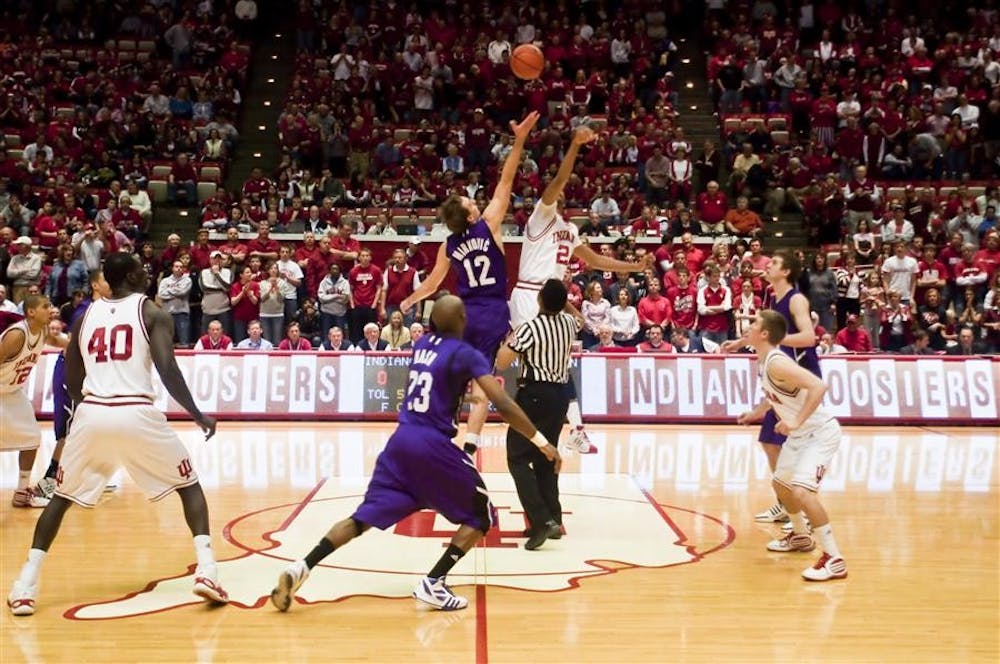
x,y
523,339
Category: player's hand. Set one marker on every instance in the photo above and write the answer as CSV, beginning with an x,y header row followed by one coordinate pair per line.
x,y
207,425
745,418
584,135
732,345
552,454
649,260
523,128
473,399
404,306
785,427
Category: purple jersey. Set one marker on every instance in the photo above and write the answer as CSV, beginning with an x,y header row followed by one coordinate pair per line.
x,y
439,374
479,261
806,357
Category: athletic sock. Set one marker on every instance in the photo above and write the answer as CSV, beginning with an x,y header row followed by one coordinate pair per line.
x,y
32,568
825,535
451,556
798,520
53,469
203,550
23,478
573,414
319,552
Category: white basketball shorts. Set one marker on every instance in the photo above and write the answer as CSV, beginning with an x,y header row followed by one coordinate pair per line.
x,y
805,459
18,427
523,306
130,434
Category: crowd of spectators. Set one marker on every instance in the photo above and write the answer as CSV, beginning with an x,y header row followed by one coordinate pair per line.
x,y
392,110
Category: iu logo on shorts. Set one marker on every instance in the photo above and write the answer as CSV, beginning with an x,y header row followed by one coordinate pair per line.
x,y
184,468
820,472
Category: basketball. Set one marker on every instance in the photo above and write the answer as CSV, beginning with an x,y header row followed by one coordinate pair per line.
x,y
527,62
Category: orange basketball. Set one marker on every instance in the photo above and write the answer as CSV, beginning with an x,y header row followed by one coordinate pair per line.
x,y
527,62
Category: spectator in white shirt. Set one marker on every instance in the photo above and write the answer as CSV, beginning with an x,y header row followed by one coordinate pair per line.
x,y
32,150
174,293
899,272
24,268
5,304
139,201
606,208
967,112
624,320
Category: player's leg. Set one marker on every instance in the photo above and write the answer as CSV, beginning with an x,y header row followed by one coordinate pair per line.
x,y
62,410
386,502
579,440
293,576
19,431
771,442
478,412
21,599
810,469
156,458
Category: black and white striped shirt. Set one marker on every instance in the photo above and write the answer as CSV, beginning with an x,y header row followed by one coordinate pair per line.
x,y
544,344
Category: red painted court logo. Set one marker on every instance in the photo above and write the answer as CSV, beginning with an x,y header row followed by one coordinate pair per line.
x,y
612,524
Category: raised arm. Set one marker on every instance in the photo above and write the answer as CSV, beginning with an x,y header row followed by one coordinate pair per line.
x,y
497,209
581,136
430,285
607,264
161,346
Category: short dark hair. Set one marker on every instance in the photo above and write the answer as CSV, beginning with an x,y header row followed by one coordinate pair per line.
x,y
553,296
454,214
117,267
790,262
774,324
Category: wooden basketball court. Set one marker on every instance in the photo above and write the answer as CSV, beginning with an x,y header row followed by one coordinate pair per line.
x,y
662,560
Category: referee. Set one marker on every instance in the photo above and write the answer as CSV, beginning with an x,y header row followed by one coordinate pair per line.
x,y
543,346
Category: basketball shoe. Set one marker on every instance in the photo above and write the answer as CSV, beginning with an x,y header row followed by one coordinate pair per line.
x,y
826,568
774,514
437,593
792,543
21,599
29,497
46,487
579,441
290,580
207,587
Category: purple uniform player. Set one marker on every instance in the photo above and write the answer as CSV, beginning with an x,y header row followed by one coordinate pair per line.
x,y
800,344
421,467
475,250
482,285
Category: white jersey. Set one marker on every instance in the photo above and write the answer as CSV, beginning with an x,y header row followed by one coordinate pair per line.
x,y
551,241
14,372
789,405
114,343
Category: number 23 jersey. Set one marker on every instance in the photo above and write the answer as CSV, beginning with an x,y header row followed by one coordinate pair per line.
x,y
114,344
439,374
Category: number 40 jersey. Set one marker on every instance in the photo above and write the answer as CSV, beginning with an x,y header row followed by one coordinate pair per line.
x,y
114,343
439,374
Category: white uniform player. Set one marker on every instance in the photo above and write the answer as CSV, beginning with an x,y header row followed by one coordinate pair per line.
x,y
546,253
20,429
810,448
117,424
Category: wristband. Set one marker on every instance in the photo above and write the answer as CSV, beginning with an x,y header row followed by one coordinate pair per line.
x,y
539,440
470,449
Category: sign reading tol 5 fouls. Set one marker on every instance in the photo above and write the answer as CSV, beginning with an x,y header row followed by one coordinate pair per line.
x,y
661,388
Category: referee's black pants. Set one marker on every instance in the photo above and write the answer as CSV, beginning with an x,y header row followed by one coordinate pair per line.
x,y
535,476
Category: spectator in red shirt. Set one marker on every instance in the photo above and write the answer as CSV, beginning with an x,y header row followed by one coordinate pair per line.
x,y
683,300
345,249
294,340
236,250
711,205
244,297
715,304
654,309
654,342
182,180
215,339
263,246
399,280
854,337
365,280
200,251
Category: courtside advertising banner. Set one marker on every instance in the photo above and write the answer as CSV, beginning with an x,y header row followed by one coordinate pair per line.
x,y
612,388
